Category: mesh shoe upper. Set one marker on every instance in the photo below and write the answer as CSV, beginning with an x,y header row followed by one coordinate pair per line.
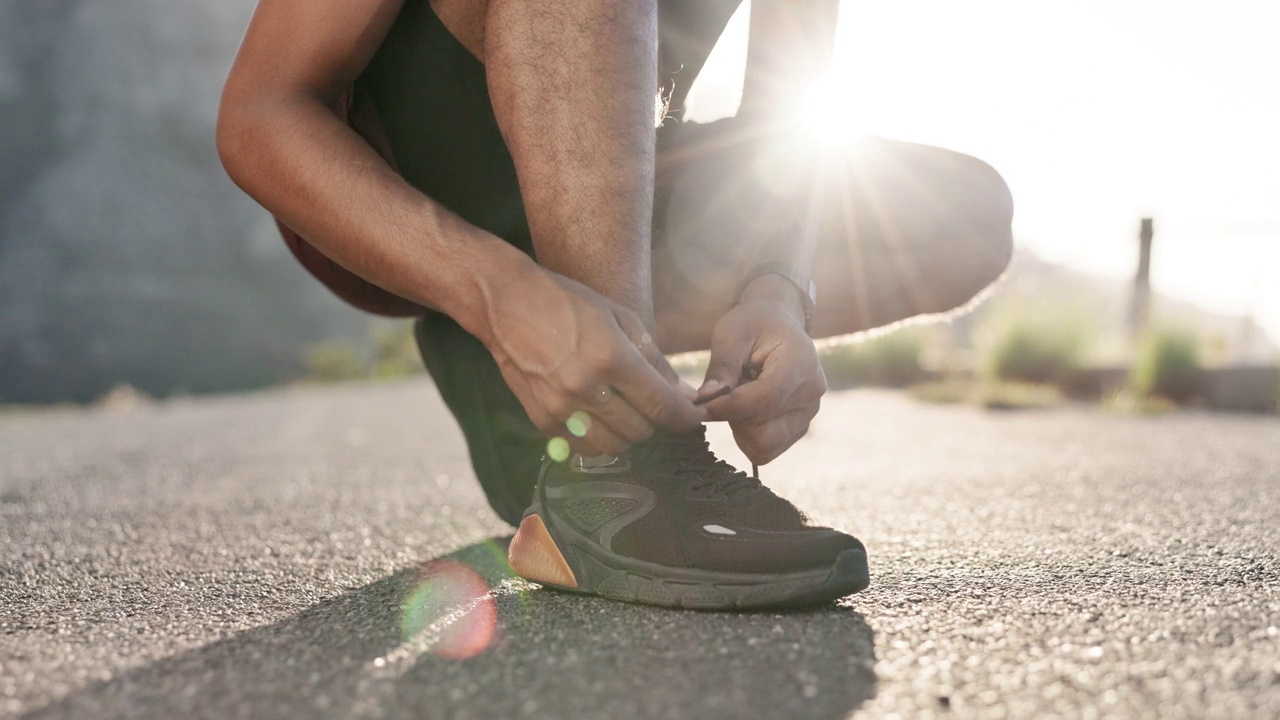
x,y
699,511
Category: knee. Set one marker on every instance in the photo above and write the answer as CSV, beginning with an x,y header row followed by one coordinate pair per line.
x,y
986,233
994,211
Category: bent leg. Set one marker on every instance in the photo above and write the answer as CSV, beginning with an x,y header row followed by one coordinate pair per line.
x,y
573,85
902,229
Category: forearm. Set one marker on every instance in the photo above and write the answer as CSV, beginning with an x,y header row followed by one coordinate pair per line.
x,y
295,157
791,43
790,46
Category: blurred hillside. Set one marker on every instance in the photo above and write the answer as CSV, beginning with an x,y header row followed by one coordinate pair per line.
x,y
125,253
1101,306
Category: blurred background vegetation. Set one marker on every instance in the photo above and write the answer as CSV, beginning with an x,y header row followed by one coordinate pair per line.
x,y
388,351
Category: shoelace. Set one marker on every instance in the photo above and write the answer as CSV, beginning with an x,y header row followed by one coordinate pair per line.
x,y
692,453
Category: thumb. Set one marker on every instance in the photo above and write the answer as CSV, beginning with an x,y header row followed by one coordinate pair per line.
x,y
725,368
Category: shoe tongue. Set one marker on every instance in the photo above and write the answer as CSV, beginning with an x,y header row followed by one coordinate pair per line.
x,y
680,437
692,447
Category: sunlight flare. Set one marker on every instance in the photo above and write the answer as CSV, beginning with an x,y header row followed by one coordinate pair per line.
x,y
827,115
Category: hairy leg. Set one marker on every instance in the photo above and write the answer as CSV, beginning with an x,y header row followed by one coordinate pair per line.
x,y
573,85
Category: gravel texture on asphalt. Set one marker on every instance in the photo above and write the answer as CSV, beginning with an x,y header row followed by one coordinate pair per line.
x,y
326,553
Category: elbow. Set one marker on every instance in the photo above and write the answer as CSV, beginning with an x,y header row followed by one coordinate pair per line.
x,y
988,232
979,239
232,139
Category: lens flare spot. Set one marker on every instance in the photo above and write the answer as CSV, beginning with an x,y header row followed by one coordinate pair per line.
x,y
578,424
558,449
454,604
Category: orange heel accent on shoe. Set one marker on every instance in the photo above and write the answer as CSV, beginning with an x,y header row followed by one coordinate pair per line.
x,y
534,555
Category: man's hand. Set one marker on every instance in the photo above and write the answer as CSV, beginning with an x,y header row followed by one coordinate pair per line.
x,y
569,353
769,414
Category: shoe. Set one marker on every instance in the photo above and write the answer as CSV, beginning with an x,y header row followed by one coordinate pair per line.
x,y
670,524
506,447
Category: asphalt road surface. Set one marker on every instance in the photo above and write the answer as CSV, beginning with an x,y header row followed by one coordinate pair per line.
x,y
325,553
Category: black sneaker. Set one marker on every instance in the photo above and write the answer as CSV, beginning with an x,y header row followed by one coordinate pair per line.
x,y
670,524
506,447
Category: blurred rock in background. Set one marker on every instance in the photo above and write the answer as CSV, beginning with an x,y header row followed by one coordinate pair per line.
x,y
126,255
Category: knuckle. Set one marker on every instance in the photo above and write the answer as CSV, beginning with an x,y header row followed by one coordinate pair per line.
x,y
578,382
606,441
560,408
810,412
661,414
608,359
637,431
820,386
808,393
655,358
595,363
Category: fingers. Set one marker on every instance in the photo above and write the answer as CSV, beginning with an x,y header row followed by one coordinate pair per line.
x,y
779,390
653,396
618,414
785,382
642,376
600,440
731,345
763,443
634,329
608,426
603,385
599,422
586,434
578,426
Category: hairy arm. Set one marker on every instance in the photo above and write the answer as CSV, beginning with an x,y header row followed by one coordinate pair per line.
x,y
281,140
790,44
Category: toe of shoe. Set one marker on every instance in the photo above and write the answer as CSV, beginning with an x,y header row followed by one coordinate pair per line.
x,y
780,553
825,546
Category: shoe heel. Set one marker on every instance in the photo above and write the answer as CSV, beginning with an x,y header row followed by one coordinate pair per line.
x,y
534,555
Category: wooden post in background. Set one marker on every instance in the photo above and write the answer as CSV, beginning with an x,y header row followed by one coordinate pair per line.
x,y
1140,304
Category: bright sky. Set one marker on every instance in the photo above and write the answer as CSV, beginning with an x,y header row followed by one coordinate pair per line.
x,y
1097,112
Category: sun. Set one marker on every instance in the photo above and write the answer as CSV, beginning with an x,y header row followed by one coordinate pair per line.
x,y
827,115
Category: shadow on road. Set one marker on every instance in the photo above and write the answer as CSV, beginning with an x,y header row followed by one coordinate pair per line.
x,y
458,637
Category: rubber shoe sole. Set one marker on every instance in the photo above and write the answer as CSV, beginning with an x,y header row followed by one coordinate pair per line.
x,y
572,563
